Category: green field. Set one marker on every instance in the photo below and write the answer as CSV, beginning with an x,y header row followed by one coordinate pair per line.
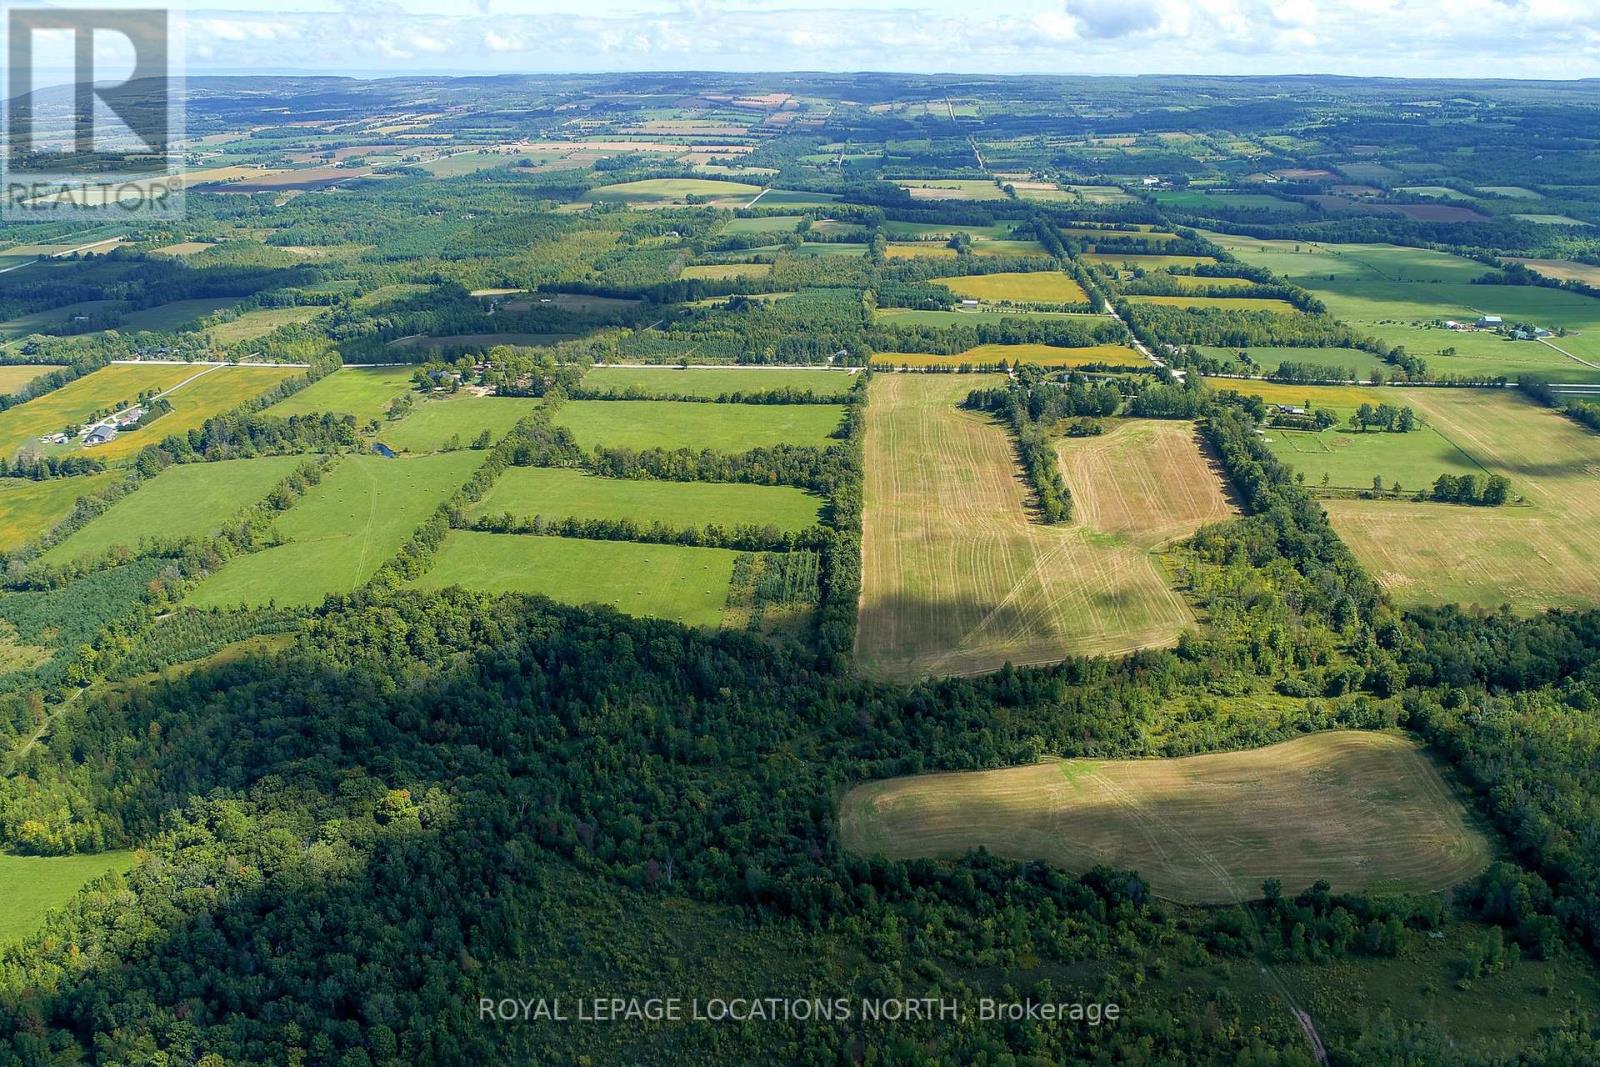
x,y
30,886
76,401
765,224
640,424
687,585
1351,460
716,381
661,192
1226,303
186,500
340,532
29,509
166,317
434,423
1201,201
1201,829
260,322
364,392
555,493
1042,355
1269,358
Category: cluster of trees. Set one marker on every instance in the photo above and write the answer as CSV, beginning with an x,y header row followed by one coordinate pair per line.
x,y
1491,492
1386,417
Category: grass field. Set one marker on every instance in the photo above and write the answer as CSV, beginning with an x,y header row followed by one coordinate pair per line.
x,y
687,585
556,493
1199,829
1536,557
434,423
30,886
364,392
1341,400
1144,261
952,189
260,322
966,316
662,192
1352,460
186,500
765,224
959,578
1036,287
1227,303
724,271
76,401
715,381
164,317
207,395
640,424
1042,355
1563,270
14,377
28,509
1359,362
340,532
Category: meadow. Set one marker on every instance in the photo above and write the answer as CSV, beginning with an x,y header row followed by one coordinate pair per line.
x,y
958,577
1541,556
364,392
75,402
14,376
174,315
32,886
665,192
952,189
717,381
640,424
687,585
28,509
763,224
205,396
1269,358
1144,261
1199,829
1042,355
1227,303
724,271
966,316
1036,287
454,422
1339,400
557,493
340,532
185,500
260,322
1352,460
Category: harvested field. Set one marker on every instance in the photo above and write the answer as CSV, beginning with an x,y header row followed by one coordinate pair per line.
x,y
1036,287
958,577
1200,829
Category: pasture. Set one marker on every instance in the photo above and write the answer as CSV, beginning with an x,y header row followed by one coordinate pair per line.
x,y
339,533
77,401
1041,355
556,493
717,381
206,395
763,224
687,585
32,886
364,392
1358,362
1035,287
641,424
1199,829
1226,303
29,509
1536,557
1144,261
725,271
185,500
260,322
1352,460
958,577
454,422
951,189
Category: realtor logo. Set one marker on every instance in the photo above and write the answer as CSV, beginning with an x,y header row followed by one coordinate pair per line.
x,y
92,120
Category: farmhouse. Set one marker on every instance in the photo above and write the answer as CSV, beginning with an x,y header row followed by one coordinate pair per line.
x,y
100,435
1489,322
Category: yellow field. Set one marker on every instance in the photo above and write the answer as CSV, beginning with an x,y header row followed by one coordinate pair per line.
x,y
1035,287
218,390
29,508
958,577
1542,556
920,250
1230,303
1362,810
1334,397
1563,270
75,402
14,377
1042,355
723,271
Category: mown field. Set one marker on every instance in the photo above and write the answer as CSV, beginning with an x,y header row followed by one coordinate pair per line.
x,y
1352,460
687,585
1043,355
958,576
75,402
1542,556
455,422
716,381
1269,358
364,392
1226,303
1199,829
1031,287
1144,261
640,424
206,396
724,271
28,509
31,886
186,500
556,493
340,532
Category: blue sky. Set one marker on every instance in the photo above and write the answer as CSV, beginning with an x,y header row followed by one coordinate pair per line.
x,y
1450,38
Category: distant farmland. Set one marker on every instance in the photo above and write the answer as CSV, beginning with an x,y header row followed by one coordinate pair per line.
x,y
959,578
1200,829
684,424
1038,287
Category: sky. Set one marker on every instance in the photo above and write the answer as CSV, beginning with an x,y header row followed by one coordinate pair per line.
x,y
1394,38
